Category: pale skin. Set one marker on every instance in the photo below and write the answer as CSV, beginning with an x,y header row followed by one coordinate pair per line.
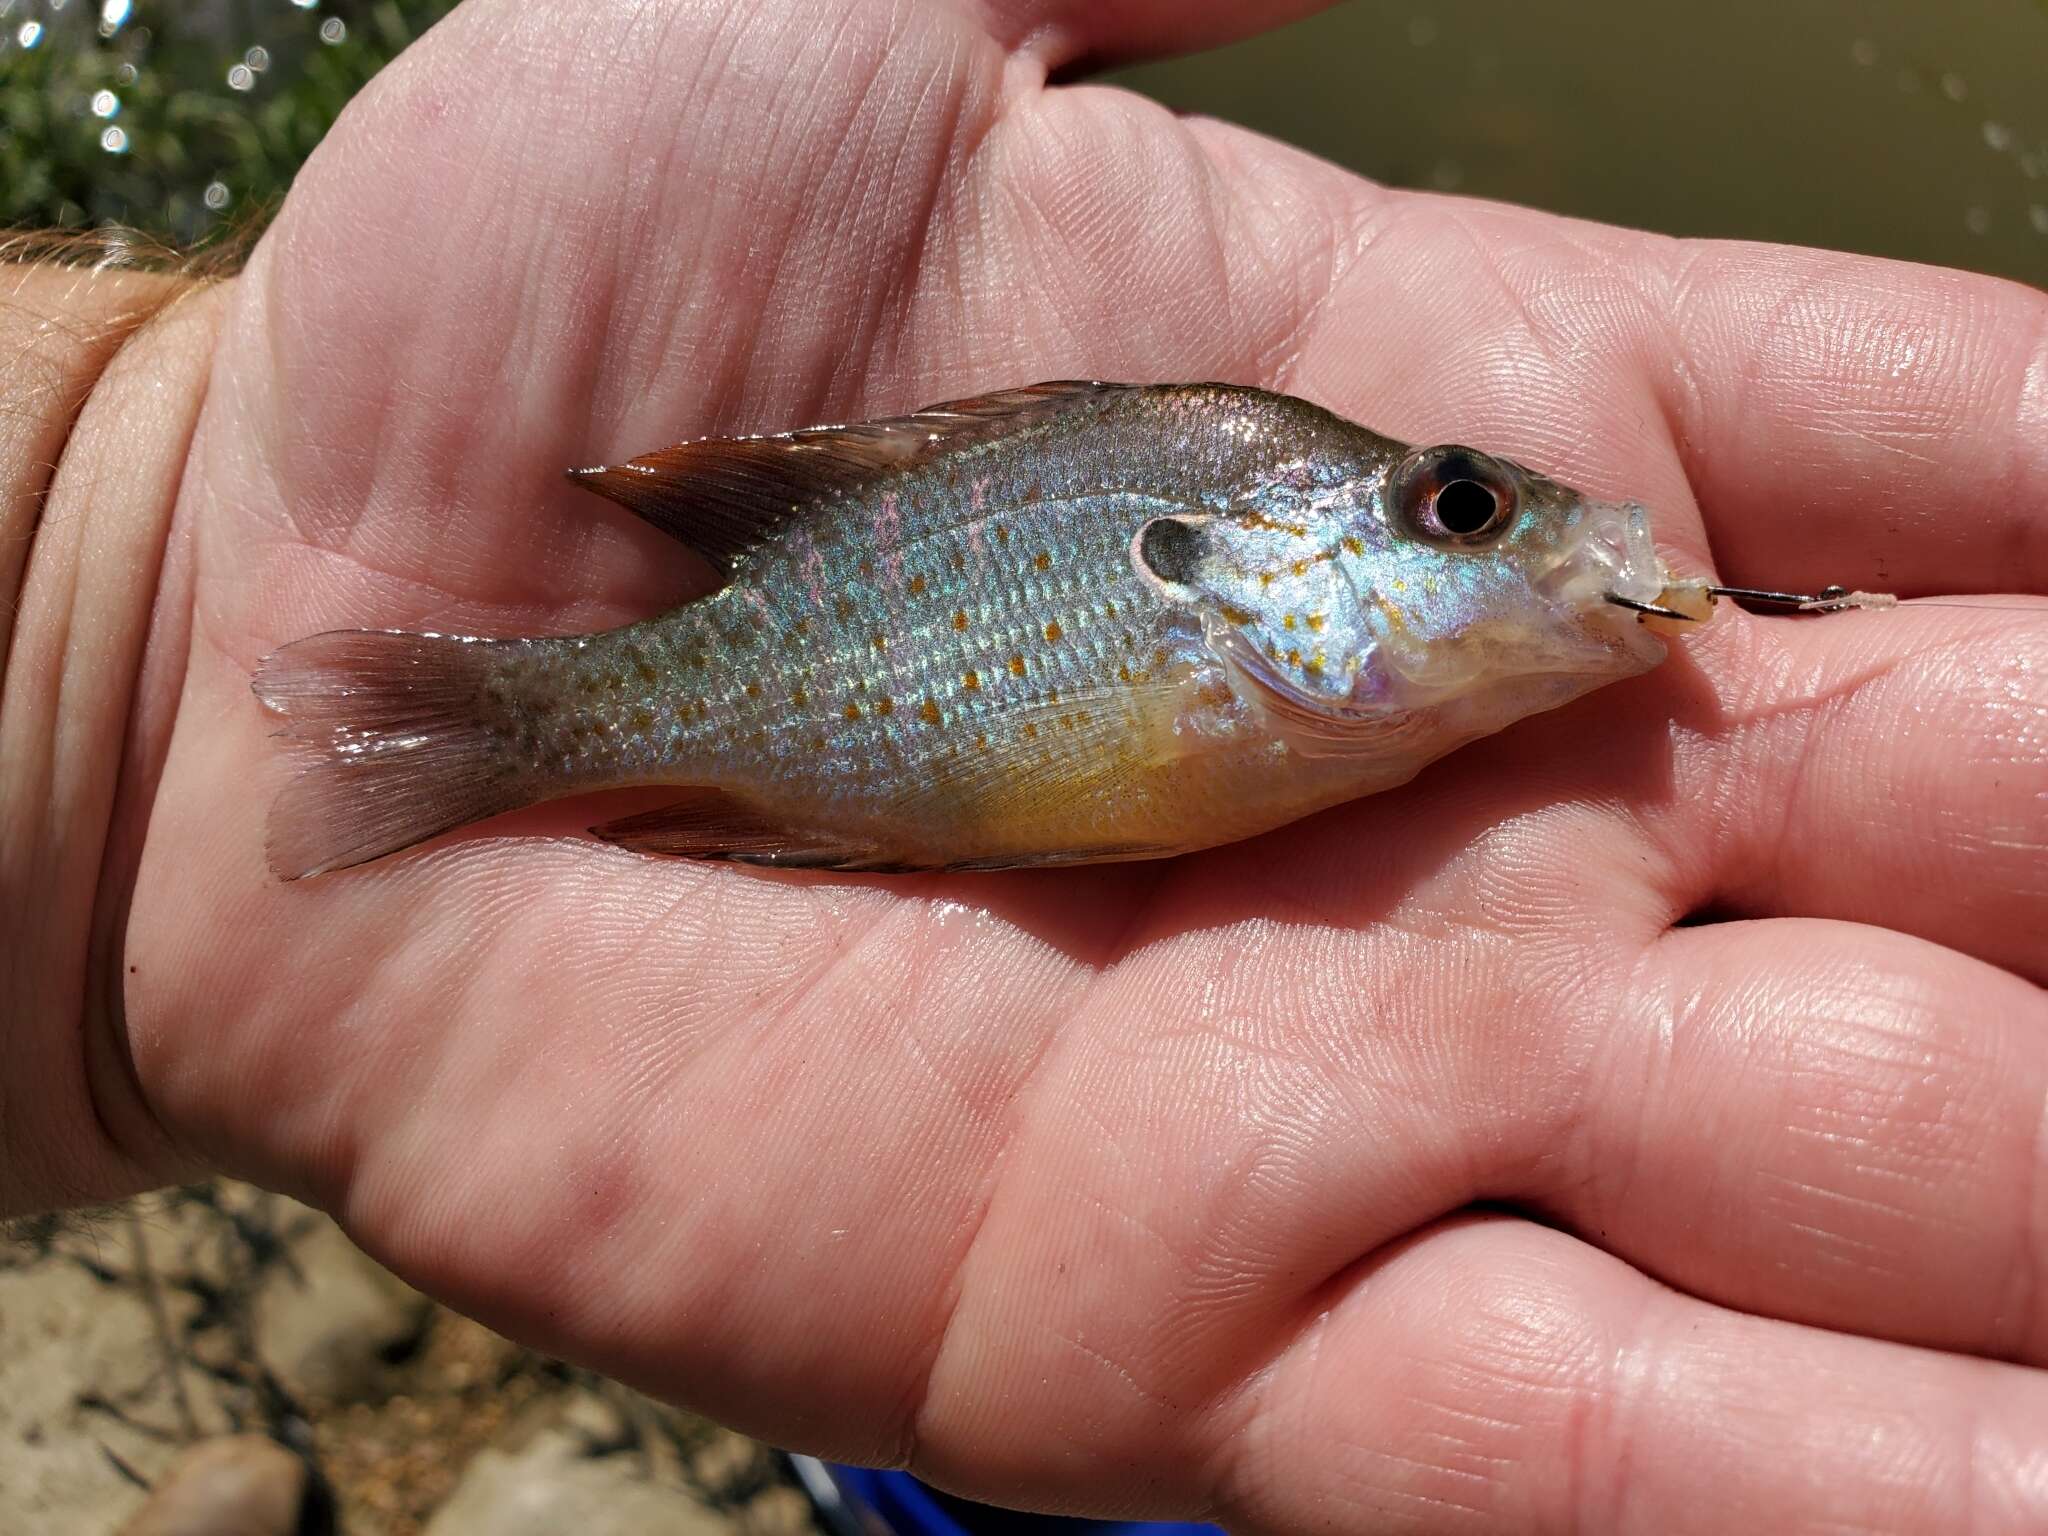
x,y
1413,1168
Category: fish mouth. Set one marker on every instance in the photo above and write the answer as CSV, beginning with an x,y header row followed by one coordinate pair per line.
x,y
1609,585
1676,609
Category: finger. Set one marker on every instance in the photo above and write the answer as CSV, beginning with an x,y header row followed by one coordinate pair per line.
x,y
1838,418
1865,422
1827,1123
1495,1376
1064,33
1884,768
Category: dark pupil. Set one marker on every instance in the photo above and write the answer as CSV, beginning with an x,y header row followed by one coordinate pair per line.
x,y
1465,507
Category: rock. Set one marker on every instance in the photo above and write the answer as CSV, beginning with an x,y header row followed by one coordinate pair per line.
x,y
778,1511
89,1404
728,1465
552,1484
331,1330
599,1425
240,1485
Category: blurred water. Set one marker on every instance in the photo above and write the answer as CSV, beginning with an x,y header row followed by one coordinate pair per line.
x,y
1896,127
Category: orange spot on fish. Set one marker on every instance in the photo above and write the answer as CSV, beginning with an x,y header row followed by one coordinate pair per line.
x,y
1042,561
867,567
1237,615
917,586
643,719
1053,633
1352,546
1315,623
1002,534
1016,666
928,712
753,690
1293,658
886,707
971,681
1300,567
1287,622
1265,578
799,698
1030,731
1273,525
881,641
845,607
959,618
853,711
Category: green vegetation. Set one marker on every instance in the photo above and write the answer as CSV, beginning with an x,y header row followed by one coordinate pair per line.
x,y
177,116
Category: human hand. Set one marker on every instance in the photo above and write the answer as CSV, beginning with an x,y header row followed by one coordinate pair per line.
x,y
1408,1168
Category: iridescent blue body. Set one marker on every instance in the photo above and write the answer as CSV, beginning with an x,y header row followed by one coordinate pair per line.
x,y
1070,623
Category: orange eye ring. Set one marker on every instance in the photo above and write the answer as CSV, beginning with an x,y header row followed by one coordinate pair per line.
x,y
1454,497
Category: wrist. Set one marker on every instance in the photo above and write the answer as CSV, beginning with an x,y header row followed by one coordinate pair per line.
x,y
102,372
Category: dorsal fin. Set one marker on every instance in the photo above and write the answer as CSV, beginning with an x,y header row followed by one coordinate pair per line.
x,y
723,495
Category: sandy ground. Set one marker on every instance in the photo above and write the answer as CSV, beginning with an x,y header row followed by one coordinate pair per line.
x,y
135,1340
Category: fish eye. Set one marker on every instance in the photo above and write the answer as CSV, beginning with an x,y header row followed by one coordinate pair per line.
x,y
1453,496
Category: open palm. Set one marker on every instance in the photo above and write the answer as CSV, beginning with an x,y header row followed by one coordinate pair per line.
x,y
1416,1167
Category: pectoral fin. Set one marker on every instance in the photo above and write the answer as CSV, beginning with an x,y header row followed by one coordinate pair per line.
x,y
1313,725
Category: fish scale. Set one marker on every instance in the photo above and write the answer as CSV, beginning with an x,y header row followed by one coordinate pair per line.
x,y
1067,623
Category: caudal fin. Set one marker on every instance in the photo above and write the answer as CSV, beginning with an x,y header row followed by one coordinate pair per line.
x,y
387,734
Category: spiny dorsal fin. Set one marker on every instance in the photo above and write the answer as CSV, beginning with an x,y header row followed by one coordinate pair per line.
x,y
723,495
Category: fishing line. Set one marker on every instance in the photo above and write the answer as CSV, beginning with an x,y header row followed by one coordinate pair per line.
x,y
1830,599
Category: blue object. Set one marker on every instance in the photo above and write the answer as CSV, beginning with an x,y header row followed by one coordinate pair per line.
x,y
903,1506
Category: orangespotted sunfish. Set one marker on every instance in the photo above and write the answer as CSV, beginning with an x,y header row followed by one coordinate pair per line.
x,y
1071,623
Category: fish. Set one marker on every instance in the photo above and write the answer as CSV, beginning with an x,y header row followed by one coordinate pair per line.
x,y
1076,622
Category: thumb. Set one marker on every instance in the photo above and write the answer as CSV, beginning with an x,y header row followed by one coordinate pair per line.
x,y
1069,36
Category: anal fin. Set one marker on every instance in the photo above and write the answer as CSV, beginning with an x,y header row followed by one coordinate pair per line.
x,y
717,827
711,824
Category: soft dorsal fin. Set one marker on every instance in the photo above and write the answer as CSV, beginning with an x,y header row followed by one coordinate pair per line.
x,y
723,495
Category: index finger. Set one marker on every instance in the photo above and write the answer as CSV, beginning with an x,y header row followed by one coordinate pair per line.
x,y
1873,423
1838,418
